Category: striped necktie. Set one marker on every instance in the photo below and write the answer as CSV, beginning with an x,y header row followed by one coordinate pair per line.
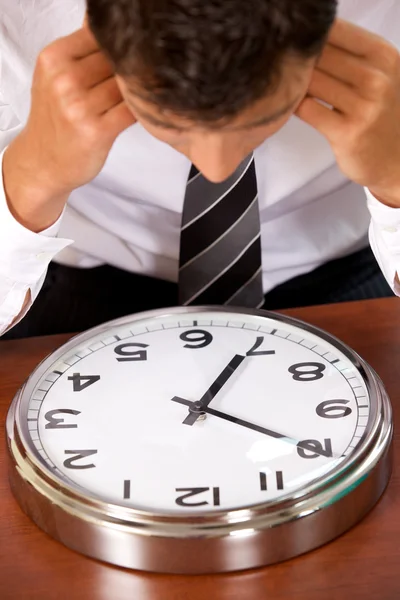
x,y
220,251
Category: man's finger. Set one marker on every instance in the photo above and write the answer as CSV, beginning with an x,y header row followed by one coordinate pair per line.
x,y
354,39
345,67
92,70
104,97
118,119
79,44
323,119
377,51
334,92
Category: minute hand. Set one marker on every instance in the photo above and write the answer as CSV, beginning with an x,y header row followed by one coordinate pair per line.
x,y
215,388
306,445
236,420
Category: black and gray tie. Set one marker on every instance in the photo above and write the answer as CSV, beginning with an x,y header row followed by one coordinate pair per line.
x,y
220,250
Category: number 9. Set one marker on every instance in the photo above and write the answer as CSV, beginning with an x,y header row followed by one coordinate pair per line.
x,y
197,338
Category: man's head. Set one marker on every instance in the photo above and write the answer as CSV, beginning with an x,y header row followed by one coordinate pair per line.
x,y
212,78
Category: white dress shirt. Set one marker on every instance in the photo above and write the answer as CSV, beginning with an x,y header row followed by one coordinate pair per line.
x,y
129,216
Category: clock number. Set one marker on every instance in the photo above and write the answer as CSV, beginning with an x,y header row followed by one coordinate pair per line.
x,y
190,492
54,423
129,352
307,371
78,380
264,481
313,449
334,409
197,338
78,455
257,345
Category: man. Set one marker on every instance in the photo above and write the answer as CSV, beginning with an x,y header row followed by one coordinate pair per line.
x,y
150,100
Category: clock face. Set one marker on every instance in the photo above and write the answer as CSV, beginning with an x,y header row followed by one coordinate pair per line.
x,y
192,412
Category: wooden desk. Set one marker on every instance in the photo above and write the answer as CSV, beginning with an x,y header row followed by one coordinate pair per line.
x,y
362,564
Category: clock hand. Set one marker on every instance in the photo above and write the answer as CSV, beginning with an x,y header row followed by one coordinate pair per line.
x,y
198,410
214,389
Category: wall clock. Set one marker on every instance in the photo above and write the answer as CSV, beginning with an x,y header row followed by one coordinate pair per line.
x,y
195,440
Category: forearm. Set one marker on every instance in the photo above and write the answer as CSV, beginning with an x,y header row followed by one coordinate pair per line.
x,y
28,192
24,259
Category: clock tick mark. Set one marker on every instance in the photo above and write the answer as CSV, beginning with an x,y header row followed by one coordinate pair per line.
x,y
263,482
274,331
127,489
216,494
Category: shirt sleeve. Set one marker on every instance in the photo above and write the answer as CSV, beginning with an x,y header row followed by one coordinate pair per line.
x,y
384,236
24,255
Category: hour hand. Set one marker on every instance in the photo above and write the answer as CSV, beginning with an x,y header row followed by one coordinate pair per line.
x,y
197,408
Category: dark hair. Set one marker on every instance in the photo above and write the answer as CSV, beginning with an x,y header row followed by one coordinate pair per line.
x,y
208,59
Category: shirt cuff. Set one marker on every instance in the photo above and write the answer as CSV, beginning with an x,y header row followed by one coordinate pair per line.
x,y
387,221
25,255
385,238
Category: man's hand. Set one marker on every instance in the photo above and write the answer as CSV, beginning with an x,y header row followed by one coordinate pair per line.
x,y
358,76
77,113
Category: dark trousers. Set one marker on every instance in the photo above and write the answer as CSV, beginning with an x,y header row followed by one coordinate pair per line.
x,y
73,300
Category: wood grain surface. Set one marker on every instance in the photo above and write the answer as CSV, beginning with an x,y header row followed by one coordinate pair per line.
x,y
364,564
